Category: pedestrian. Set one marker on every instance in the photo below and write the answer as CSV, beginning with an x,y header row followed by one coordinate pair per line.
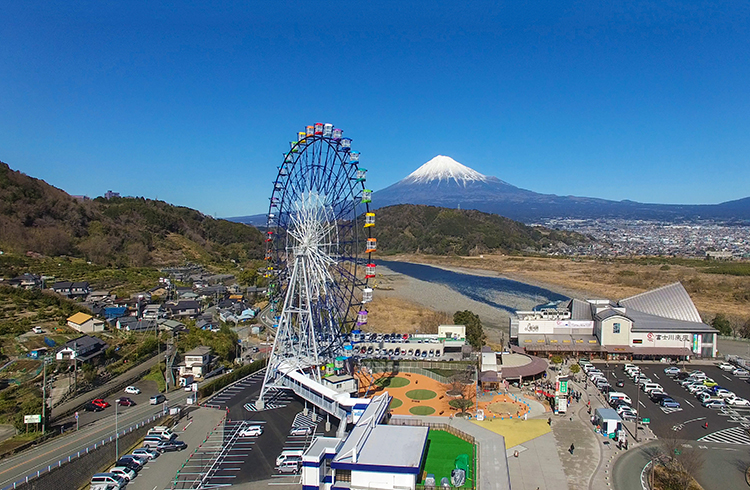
x,y
525,416
572,448
705,426
626,444
549,421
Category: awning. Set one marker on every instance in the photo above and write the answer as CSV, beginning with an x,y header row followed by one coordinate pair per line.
x,y
662,351
618,349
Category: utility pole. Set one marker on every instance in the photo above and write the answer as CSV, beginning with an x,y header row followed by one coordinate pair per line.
x,y
637,411
44,396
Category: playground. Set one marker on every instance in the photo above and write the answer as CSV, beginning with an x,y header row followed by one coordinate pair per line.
x,y
416,394
442,450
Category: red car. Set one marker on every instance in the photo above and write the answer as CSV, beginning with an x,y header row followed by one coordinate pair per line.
x,y
100,403
125,402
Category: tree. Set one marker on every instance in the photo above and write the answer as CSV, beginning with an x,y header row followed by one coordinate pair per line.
x,y
474,330
575,369
691,462
722,324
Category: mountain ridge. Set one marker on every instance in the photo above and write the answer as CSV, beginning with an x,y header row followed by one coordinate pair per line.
x,y
493,195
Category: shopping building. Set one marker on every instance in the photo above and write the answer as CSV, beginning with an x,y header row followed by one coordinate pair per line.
x,y
661,323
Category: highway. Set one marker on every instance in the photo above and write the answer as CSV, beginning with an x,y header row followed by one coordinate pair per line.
x,y
39,457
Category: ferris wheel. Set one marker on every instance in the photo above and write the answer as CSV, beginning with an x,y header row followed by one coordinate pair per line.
x,y
319,250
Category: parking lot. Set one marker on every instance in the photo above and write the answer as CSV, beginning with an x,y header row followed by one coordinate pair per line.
x,y
687,422
229,459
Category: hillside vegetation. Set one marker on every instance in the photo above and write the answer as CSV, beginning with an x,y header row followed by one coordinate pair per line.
x,y
37,217
411,228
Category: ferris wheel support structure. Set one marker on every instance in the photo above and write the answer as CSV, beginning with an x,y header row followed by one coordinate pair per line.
x,y
319,225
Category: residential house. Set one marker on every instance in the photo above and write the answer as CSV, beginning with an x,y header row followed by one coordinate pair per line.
x,y
196,362
115,311
154,312
208,325
85,323
79,289
183,308
62,287
141,326
100,296
170,325
25,281
81,349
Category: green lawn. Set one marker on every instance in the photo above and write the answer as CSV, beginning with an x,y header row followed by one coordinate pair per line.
x,y
395,403
396,382
442,450
421,394
422,410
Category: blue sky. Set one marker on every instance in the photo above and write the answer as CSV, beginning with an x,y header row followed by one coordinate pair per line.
x,y
193,103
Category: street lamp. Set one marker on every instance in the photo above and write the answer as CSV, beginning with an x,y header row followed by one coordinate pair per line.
x,y
117,434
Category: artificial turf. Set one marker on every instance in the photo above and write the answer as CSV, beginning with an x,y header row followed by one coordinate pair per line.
x,y
421,394
425,410
442,450
395,403
396,382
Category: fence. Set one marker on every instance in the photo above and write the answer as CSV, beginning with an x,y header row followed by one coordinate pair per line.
x,y
454,432
82,452
418,368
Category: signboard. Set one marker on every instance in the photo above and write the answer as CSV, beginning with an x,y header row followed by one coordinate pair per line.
x,y
32,419
644,420
76,415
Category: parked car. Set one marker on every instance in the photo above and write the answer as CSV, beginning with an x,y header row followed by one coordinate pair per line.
x,y
109,479
99,402
741,372
125,402
703,396
669,403
129,463
301,431
737,402
251,431
725,366
630,415
671,370
657,397
290,466
723,393
709,382
123,471
620,383
714,403
37,330
132,390
149,453
167,446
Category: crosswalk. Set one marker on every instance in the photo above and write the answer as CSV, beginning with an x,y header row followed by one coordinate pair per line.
x,y
302,420
277,399
669,410
733,435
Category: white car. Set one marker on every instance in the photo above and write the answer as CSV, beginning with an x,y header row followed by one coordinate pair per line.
x,y
122,471
671,370
725,366
148,453
251,431
37,330
703,396
695,388
724,393
738,402
741,373
132,390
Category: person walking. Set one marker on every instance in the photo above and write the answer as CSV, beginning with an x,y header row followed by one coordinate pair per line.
x,y
572,448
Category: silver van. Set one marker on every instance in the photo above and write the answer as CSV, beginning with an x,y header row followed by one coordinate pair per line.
x,y
290,465
152,441
108,478
288,454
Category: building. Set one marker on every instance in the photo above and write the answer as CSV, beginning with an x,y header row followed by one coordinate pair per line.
x,y
85,323
184,308
109,195
72,289
196,362
81,349
373,455
662,323
453,332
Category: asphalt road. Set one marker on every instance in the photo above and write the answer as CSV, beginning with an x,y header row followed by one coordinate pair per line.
x,y
39,457
257,461
686,423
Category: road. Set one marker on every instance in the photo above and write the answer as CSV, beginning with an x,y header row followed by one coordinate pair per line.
x,y
39,457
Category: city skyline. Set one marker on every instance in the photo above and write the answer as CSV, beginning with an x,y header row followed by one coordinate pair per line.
x,y
194,105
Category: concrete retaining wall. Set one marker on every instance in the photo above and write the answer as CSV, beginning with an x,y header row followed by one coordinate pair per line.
x,y
78,472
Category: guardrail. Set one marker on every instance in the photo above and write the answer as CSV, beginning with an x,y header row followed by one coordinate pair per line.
x,y
82,452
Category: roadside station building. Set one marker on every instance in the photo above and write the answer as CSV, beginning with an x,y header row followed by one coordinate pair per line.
x,y
663,322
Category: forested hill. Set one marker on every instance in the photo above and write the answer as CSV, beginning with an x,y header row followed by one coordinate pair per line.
x,y
37,217
415,228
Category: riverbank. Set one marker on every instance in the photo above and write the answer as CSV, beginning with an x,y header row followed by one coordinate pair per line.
x,y
608,278
407,304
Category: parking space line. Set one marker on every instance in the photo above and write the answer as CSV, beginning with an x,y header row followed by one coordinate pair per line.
x,y
727,377
642,404
688,402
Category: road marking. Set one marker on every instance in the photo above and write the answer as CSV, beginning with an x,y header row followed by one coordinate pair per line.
x,y
642,404
656,375
686,401
727,377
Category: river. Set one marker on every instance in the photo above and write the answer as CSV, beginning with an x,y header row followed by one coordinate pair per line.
x,y
496,292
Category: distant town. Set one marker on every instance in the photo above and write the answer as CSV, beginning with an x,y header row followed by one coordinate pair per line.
x,y
622,237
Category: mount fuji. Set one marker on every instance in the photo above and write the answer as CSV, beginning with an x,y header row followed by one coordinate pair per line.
x,y
447,183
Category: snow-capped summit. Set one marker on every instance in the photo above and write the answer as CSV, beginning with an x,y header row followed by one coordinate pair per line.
x,y
444,168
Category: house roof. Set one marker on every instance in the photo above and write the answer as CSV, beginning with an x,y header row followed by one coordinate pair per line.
x,y
80,318
670,301
201,350
643,322
62,285
580,310
609,313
